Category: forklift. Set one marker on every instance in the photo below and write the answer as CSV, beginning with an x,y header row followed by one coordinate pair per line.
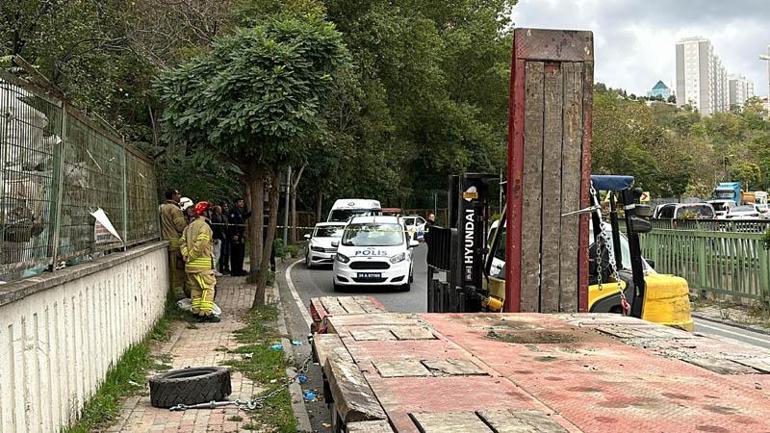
x,y
466,260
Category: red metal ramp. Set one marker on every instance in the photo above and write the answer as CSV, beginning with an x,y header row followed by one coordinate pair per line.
x,y
580,373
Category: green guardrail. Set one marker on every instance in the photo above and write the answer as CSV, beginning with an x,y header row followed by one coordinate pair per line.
x,y
720,262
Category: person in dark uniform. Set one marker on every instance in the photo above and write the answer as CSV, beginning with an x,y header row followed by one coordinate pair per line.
x,y
237,220
224,261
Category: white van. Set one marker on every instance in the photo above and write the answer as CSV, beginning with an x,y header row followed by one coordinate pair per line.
x,y
374,251
346,208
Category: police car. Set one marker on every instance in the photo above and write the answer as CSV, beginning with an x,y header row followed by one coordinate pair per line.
x,y
374,251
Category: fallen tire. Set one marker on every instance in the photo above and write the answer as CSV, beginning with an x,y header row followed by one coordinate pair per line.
x,y
190,386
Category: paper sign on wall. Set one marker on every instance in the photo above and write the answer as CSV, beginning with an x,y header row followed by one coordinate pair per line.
x,y
104,231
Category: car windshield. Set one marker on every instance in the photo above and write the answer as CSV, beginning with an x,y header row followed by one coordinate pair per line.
x,y
328,232
695,212
343,215
373,235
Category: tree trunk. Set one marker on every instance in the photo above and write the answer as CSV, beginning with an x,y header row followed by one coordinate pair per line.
x,y
256,197
264,267
319,206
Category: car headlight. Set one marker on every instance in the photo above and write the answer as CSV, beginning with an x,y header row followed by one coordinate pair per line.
x,y
398,258
317,249
342,258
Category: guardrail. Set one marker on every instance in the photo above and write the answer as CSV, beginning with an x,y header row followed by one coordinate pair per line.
x,y
731,263
714,225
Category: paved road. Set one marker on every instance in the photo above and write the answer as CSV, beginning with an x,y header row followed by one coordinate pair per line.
x,y
714,329
312,283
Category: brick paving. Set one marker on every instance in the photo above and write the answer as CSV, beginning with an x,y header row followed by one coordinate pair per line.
x,y
205,345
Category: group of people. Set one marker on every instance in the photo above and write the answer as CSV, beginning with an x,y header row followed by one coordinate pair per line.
x,y
205,241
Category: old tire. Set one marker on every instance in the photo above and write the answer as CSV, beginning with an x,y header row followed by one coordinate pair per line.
x,y
190,386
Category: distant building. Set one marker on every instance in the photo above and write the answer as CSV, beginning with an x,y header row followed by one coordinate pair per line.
x,y
701,80
741,90
659,90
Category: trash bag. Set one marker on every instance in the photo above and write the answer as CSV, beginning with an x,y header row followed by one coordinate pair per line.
x,y
186,304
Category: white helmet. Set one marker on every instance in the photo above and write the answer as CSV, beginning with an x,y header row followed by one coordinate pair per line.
x,y
185,203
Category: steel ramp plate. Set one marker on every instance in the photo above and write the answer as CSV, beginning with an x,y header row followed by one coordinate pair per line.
x,y
454,367
520,421
406,368
450,422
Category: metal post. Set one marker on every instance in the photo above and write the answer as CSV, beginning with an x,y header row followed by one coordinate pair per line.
x,y
125,196
286,207
58,189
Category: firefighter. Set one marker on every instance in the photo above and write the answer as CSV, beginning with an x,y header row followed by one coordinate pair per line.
x,y
172,223
197,250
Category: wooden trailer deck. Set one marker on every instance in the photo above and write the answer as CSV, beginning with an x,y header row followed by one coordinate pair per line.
x,y
529,372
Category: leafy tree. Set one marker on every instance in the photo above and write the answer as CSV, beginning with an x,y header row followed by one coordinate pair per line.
x,y
254,100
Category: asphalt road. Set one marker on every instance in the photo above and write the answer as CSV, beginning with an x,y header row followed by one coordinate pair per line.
x,y
714,329
316,282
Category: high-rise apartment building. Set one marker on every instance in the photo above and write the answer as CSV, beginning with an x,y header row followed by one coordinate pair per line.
x,y
741,90
701,79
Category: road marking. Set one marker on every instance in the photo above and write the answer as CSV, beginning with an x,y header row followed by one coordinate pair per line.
x,y
295,295
700,323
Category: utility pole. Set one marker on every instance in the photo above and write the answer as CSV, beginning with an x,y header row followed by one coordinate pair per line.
x,y
286,207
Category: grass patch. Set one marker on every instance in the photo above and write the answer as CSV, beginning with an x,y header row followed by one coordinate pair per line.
x,y
127,377
235,418
265,366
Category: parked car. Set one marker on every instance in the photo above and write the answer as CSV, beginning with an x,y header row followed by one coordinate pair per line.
x,y
319,249
746,212
374,251
415,226
721,207
698,211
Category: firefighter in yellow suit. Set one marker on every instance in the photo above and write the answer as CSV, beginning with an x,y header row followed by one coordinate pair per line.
x,y
197,250
172,223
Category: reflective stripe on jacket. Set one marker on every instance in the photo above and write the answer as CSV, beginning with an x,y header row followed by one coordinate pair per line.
x,y
196,246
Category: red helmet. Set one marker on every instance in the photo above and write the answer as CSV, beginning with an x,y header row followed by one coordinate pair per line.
x,y
201,207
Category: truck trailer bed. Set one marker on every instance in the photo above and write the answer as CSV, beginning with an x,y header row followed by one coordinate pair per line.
x,y
522,372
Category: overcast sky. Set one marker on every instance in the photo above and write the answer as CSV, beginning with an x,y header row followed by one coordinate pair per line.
x,y
635,39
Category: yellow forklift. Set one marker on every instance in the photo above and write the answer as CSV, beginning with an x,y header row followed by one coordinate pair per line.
x,y
471,277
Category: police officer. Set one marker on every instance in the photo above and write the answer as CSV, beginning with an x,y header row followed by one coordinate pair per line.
x,y
237,220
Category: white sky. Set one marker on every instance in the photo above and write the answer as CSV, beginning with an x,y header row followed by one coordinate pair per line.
x,y
635,39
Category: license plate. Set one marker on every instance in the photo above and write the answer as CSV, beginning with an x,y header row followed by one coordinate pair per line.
x,y
365,275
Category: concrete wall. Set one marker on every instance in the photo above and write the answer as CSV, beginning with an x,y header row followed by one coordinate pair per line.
x,y
61,332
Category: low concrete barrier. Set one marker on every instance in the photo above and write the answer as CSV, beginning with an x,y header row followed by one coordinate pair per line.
x,y
61,332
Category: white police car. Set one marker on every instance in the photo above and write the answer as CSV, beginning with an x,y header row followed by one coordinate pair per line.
x,y
374,251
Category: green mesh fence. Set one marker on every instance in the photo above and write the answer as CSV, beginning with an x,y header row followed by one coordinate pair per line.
x,y
57,167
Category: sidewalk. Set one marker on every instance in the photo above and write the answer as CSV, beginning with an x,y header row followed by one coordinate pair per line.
x,y
194,344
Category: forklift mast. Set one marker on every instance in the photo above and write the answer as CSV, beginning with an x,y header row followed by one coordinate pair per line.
x,y
459,250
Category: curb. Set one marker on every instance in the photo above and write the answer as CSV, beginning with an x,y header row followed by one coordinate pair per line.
x,y
295,390
730,323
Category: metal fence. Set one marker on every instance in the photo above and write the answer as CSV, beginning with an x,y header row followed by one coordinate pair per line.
x,y
729,263
714,225
56,167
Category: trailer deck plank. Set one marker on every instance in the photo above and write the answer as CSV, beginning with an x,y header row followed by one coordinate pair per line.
x,y
532,183
550,217
570,183
520,421
369,427
353,398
